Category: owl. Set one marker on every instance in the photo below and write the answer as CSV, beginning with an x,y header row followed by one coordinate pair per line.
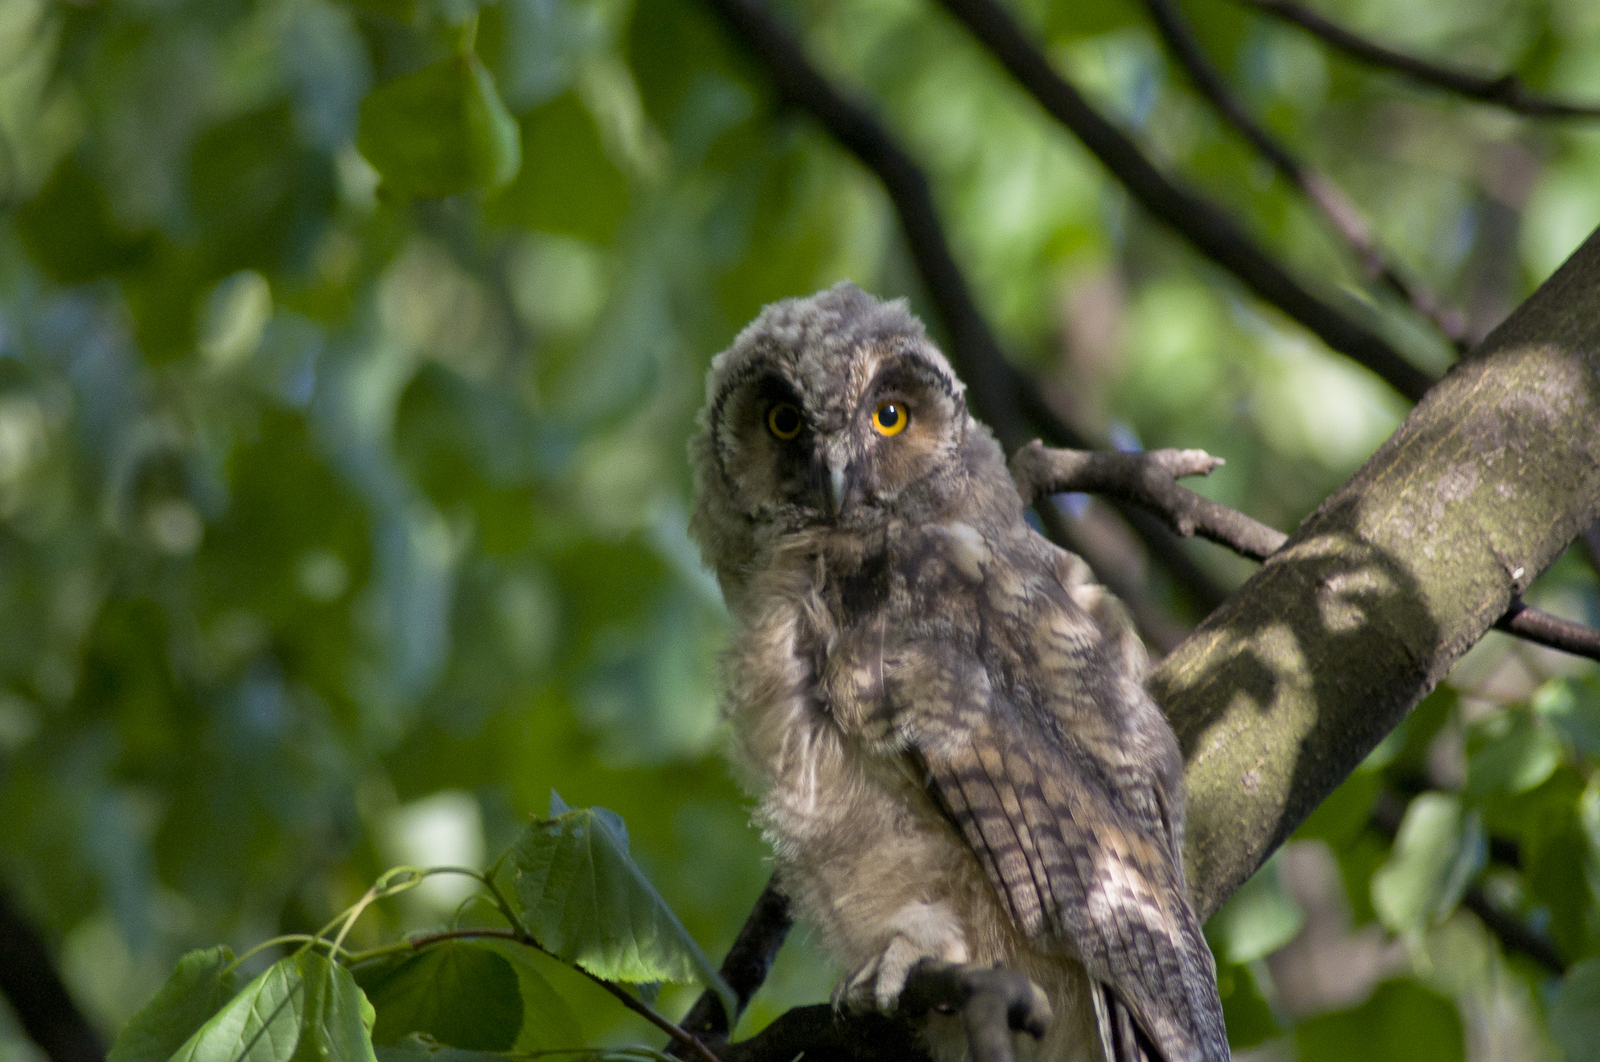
x,y
942,716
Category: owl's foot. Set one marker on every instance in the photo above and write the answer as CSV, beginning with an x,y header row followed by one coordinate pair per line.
x,y
918,932
877,983
993,1002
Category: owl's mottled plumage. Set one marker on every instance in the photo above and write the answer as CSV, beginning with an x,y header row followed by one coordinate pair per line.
x,y
945,718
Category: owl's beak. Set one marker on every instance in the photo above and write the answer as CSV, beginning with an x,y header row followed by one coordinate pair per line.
x,y
836,488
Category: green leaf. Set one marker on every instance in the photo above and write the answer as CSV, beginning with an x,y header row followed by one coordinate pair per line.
x,y
1257,920
587,902
1401,1022
1512,753
301,1009
1575,1013
197,989
1248,1016
548,1023
1572,709
261,196
416,1048
1438,851
440,130
567,184
70,232
1344,814
457,992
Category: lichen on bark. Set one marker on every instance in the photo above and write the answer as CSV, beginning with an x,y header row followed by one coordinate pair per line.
x,y
1282,691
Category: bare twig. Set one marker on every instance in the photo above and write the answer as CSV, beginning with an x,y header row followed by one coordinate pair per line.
x,y
1149,480
1345,218
1210,229
1502,90
744,968
1536,625
1162,542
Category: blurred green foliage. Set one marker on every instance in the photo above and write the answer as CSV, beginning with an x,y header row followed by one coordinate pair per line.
x,y
348,349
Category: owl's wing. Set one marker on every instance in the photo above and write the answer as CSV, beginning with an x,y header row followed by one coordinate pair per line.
x,y
1071,865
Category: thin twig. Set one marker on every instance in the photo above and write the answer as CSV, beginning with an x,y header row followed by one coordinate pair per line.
x,y
1162,543
1342,215
1149,480
1536,625
691,1043
1388,811
1502,90
973,349
744,968
1211,230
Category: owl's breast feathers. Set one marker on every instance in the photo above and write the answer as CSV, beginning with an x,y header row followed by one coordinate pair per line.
x,y
985,661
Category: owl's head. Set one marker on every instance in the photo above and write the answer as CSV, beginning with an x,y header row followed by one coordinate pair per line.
x,y
833,410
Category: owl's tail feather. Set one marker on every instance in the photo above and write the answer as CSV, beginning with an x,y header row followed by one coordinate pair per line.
x,y
1121,1039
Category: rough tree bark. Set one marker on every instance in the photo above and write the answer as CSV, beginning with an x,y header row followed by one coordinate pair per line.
x,y
1282,691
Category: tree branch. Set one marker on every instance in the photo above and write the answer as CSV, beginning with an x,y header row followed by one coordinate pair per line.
x,y
744,968
820,1033
1341,214
1502,90
1280,693
1536,625
1149,479
30,983
1207,227
994,388
1157,536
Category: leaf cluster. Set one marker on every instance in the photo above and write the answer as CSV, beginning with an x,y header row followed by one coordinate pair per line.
x,y
567,891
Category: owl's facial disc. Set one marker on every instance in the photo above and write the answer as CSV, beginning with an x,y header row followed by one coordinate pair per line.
x,y
840,440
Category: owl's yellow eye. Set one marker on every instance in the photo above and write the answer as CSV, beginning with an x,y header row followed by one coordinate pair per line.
x,y
890,418
783,420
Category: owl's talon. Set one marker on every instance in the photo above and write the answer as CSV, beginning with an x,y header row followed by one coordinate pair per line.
x,y
994,1002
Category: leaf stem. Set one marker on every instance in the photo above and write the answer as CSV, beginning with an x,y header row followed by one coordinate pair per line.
x,y
390,883
626,998
303,939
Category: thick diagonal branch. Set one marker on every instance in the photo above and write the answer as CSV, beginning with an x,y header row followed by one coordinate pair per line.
x,y
1501,90
1282,691
1211,230
1341,214
1150,480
